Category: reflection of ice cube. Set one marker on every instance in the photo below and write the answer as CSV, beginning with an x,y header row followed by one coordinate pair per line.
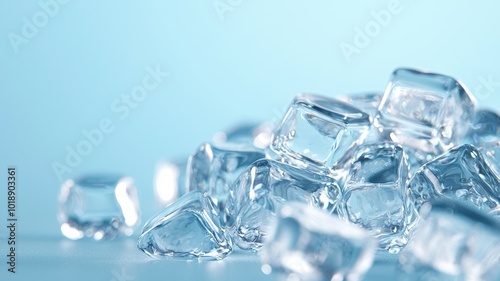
x,y
309,244
188,228
317,131
485,128
460,173
262,188
98,206
170,181
213,169
425,111
375,195
453,242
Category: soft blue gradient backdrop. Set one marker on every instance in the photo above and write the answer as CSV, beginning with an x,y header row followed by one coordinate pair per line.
x,y
247,66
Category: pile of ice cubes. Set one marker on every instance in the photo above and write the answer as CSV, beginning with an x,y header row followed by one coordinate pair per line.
x,y
412,173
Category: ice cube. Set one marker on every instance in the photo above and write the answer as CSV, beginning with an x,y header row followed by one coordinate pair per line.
x,y
367,102
425,111
262,188
170,180
375,196
491,153
213,169
461,174
316,132
485,128
309,244
188,228
454,241
98,206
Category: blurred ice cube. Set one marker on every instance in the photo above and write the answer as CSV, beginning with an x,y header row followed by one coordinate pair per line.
x,y
101,206
258,135
427,112
309,244
453,242
491,153
214,168
485,128
316,132
484,133
261,189
375,195
460,174
170,180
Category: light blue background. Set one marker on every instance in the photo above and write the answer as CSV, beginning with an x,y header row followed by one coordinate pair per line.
x,y
246,66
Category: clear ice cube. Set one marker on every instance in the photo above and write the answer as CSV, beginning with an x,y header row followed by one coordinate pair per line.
x,y
367,102
262,188
170,181
257,135
214,168
375,196
316,132
309,244
188,228
425,111
460,174
98,206
485,128
455,242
